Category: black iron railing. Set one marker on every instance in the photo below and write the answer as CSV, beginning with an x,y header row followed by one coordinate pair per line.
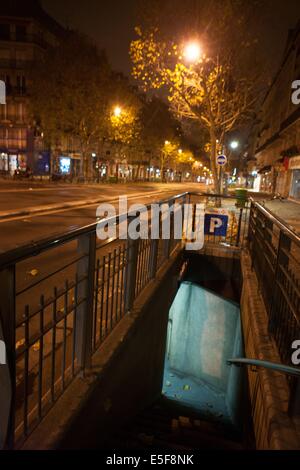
x,y
275,254
61,297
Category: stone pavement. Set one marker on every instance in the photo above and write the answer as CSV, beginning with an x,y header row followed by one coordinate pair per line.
x,y
286,210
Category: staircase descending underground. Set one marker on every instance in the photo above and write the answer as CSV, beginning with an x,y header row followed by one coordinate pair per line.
x,y
170,427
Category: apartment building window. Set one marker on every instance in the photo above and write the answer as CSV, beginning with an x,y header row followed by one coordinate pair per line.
x,y
21,33
4,58
8,84
5,31
3,112
11,111
3,137
21,84
21,112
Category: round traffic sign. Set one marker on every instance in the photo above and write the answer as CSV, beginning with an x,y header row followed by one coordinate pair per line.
x,y
221,160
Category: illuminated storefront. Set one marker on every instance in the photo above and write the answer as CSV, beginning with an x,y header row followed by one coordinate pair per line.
x,y
65,165
11,162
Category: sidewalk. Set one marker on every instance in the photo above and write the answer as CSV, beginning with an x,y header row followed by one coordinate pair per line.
x,y
286,210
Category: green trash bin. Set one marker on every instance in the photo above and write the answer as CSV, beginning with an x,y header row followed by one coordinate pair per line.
x,y
241,195
112,179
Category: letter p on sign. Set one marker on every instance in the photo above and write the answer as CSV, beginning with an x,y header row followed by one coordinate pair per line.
x,y
216,225
215,222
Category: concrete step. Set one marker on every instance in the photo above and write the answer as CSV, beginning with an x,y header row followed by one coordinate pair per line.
x,y
164,428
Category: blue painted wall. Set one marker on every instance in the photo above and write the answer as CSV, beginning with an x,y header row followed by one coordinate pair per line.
x,y
204,331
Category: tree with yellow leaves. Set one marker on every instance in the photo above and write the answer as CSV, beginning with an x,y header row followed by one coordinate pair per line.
x,y
205,88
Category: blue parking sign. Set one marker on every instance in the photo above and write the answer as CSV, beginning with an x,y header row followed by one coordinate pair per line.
x,y
216,225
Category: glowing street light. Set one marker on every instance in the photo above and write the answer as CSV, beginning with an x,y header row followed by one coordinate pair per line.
x,y
167,142
234,144
180,151
193,52
117,111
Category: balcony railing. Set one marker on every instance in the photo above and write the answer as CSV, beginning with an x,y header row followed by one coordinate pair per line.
x,y
25,38
15,64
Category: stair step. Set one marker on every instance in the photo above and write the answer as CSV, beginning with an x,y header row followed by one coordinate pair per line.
x,y
168,427
176,423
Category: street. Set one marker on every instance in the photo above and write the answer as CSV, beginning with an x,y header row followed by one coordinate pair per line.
x,y
149,225
52,275
18,230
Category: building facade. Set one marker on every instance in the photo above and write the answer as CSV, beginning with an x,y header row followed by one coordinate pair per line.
x,y
26,30
277,152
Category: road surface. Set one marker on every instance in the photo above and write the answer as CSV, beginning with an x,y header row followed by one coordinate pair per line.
x,y
20,230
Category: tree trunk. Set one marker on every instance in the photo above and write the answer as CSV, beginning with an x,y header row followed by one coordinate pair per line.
x,y
213,156
87,171
162,167
138,172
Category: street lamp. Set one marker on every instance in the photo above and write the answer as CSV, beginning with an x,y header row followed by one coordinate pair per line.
x,y
234,144
180,151
193,51
167,142
117,111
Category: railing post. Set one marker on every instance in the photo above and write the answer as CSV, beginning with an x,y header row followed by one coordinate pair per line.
x,y
167,241
153,258
8,370
132,252
238,236
84,319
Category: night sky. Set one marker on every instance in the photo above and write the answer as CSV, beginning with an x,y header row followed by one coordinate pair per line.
x,y
110,23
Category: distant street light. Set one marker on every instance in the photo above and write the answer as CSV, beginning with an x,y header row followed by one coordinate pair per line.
x,y
167,142
117,111
180,151
193,52
234,144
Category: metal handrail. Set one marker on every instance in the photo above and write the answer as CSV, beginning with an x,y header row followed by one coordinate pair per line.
x,y
241,361
35,248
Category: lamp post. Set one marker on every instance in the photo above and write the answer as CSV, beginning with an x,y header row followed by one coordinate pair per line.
x,y
117,112
233,145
